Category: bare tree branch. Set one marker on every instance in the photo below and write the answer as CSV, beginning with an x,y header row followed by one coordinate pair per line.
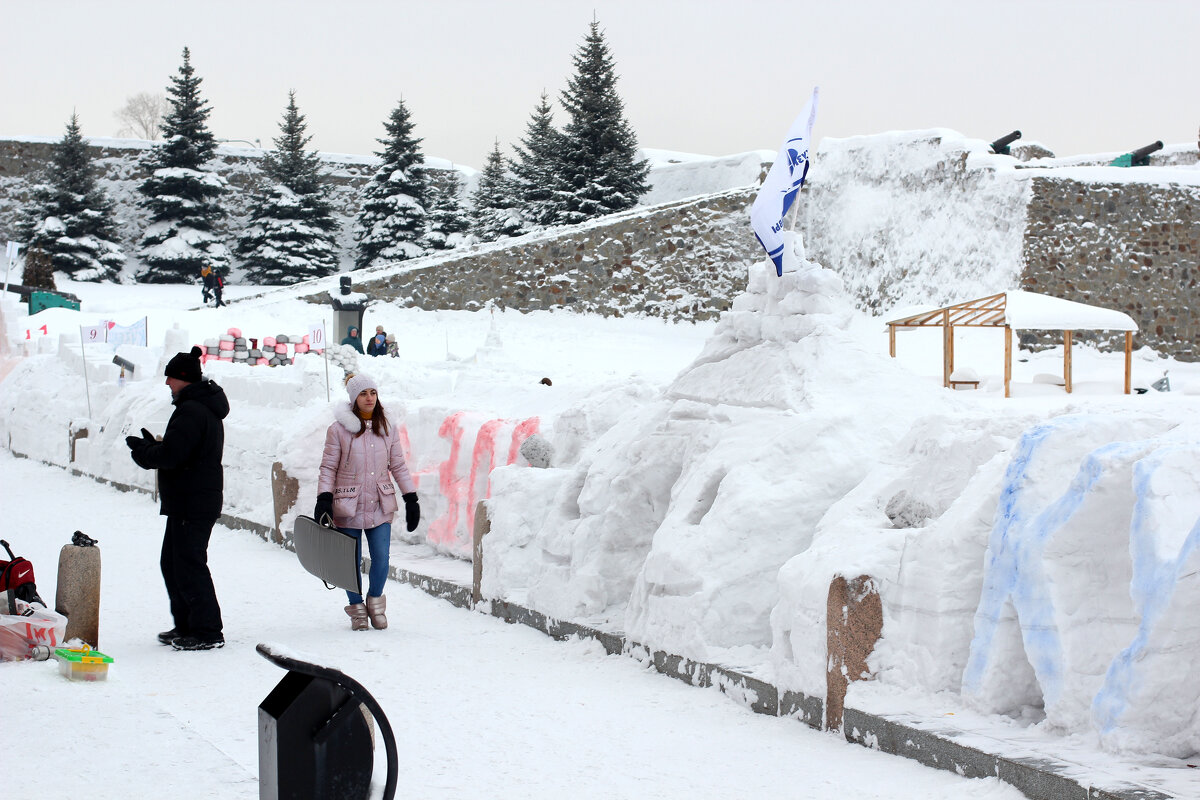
x,y
141,117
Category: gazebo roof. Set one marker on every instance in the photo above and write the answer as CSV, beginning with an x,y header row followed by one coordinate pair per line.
x,y
1022,311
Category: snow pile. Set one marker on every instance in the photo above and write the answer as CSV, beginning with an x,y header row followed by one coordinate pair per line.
x,y
676,522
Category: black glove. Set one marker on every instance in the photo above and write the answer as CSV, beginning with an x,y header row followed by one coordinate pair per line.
x,y
412,511
136,443
324,506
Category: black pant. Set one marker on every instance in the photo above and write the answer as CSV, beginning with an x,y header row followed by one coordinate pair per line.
x,y
184,564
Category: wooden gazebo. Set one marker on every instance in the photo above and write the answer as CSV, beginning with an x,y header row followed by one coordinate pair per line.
x,y
1021,311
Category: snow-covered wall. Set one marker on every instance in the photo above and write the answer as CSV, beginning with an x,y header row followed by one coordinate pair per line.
x,y
897,214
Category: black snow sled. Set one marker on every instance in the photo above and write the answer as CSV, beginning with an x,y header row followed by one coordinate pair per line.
x,y
328,553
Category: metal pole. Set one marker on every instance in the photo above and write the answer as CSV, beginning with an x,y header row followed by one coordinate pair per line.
x,y
325,353
83,357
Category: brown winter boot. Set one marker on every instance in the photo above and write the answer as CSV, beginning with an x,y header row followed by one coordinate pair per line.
x,y
375,607
358,616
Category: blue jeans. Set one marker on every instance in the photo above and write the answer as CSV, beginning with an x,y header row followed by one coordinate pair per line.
x,y
379,543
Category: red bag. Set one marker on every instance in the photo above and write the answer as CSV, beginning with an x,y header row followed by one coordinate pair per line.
x,y
16,575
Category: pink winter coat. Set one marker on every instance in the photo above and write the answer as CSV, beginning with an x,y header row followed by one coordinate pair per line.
x,y
359,472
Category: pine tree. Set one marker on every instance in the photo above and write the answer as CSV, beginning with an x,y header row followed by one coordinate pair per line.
x,y
535,177
448,221
39,271
69,219
391,224
290,234
599,165
183,198
497,210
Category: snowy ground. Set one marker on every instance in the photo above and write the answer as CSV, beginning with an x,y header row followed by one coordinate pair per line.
x,y
480,708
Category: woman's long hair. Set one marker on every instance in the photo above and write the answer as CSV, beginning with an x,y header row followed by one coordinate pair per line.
x,y
379,423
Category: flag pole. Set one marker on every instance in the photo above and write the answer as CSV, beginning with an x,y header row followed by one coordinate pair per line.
x,y
83,357
325,353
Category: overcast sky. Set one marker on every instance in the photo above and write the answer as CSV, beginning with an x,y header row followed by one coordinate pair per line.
x,y
708,76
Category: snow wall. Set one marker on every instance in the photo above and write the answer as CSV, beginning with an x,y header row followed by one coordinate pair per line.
x,y
895,213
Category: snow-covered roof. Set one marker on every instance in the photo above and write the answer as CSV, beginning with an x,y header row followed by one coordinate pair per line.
x,y
1029,310
1023,311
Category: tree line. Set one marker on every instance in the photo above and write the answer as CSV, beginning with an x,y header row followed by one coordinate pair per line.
x,y
587,169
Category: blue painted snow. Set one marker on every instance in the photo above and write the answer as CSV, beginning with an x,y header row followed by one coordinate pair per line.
x,y
1151,588
1014,566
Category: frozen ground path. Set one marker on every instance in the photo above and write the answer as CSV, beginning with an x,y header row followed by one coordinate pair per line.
x,y
480,708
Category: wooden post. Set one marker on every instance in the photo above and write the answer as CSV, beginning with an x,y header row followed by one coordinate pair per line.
x,y
853,624
947,348
77,595
891,340
1007,359
1067,360
482,526
285,490
1128,361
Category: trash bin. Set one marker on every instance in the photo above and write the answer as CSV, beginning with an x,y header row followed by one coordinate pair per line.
x,y
314,737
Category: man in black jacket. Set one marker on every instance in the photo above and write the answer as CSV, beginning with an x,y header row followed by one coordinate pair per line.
x,y
190,486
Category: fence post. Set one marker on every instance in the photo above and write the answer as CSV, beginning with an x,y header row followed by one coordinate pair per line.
x,y
482,526
854,622
285,490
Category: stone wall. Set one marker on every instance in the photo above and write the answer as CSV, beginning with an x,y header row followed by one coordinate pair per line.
x,y
680,261
1133,246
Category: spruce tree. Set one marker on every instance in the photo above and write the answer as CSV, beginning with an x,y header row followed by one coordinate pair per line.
x,y
497,210
39,271
535,174
448,221
599,165
69,220
290,233
391,224
182,196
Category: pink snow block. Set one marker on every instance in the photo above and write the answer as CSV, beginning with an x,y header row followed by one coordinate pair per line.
x,y
224,357
263,361
268,342
281,348
304,339
301,347
235,332
223,345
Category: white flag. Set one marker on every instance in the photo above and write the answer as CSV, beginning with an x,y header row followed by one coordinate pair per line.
x,y
316,336
12,250
128,334
782,184
94,333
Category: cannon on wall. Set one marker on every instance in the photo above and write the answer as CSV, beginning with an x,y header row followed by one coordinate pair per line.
x,y
1000,146
1137,158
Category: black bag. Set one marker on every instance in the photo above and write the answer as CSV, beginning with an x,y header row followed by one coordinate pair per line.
x,y
16,577
328,553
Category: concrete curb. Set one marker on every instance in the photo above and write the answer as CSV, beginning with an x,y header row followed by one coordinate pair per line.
x,y
1037,778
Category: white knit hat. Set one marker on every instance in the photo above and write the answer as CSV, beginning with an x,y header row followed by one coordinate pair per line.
x,y
355,384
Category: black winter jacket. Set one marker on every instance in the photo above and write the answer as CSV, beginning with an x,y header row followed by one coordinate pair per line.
x,y
188,459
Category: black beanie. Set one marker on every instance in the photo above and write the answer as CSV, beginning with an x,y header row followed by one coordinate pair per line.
x,y
185,366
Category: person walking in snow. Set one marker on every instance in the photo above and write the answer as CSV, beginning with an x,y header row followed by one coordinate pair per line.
x,y
206,278
353,339
190,487
218,287
355,490
378,344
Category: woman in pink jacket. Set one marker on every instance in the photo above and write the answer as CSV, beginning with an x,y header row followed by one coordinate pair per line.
x,y
362,457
